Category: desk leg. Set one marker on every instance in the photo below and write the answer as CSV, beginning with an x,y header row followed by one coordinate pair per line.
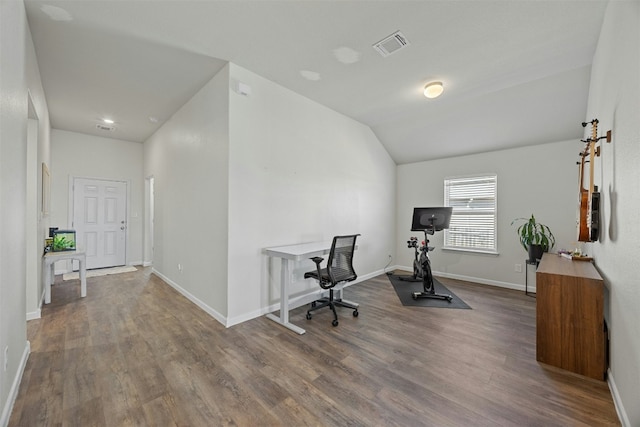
x,y
526,278
83,277
284,300
48,274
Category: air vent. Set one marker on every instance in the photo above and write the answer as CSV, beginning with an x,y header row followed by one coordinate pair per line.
x,y
107,128
391,44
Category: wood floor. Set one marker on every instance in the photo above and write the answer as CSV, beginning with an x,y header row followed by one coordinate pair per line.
x,y
136,353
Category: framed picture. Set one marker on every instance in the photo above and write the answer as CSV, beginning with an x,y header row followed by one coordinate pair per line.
x,y
46,189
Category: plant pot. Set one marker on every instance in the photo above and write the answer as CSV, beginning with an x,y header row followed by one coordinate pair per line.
x,y
535,253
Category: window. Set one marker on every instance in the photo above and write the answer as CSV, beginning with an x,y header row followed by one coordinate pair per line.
x,y
473,221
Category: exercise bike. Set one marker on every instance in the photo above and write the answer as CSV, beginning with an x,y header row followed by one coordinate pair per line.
x,y
417,268
428,220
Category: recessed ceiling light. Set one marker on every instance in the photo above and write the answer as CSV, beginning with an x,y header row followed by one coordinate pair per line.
x,y
346,55
433,89
108,121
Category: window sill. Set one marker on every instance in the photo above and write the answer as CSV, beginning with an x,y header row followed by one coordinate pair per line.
x,y
472,251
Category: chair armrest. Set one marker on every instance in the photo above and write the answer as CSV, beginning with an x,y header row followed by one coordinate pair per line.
x,y
318,260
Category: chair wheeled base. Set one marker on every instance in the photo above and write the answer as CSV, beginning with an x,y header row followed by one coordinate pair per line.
x,y
331,302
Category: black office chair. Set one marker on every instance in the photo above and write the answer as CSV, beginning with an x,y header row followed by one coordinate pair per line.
x,y
339,270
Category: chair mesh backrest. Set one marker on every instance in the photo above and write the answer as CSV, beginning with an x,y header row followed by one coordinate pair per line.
x,y
340,262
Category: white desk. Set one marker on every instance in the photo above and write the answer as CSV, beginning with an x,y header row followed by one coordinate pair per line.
x,y
48,262
288,255
292,253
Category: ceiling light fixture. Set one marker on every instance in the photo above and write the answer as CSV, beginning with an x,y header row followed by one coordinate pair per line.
x,y
108,121
433,89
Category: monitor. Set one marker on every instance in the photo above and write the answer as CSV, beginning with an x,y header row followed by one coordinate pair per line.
x,y
431,219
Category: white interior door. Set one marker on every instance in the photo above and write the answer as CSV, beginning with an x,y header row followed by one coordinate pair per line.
x,y
99,218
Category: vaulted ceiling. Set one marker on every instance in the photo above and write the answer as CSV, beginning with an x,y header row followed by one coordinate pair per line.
x,y
515,72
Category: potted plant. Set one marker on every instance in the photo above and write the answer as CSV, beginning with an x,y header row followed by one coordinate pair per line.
x,y
535,238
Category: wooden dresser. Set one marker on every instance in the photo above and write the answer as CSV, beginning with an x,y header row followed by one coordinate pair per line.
x,y
570,328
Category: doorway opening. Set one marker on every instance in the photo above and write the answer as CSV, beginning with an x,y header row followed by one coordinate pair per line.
x,y
35,213
149,219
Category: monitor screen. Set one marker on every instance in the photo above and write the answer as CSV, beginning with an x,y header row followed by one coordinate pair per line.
x,y
431,219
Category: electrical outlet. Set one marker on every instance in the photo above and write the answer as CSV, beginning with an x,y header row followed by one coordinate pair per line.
x,y
6,357
180,267
518,268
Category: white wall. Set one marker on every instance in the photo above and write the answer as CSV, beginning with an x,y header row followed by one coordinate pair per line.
x,y
37,222
18,77
79,155
188,157
614,99
540,180
299,172
235,174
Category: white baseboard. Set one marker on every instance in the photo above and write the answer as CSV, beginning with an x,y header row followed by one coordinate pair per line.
x,y
295,302
147,264
482,281
134,263
210,311
622,414
367,277
34,315
37,314
311,296
15,387
479,280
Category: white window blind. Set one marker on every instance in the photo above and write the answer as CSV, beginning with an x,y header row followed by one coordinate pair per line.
x,y
473,219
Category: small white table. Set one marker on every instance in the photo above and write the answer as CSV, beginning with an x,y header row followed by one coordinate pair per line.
x,y
48,263
288,255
